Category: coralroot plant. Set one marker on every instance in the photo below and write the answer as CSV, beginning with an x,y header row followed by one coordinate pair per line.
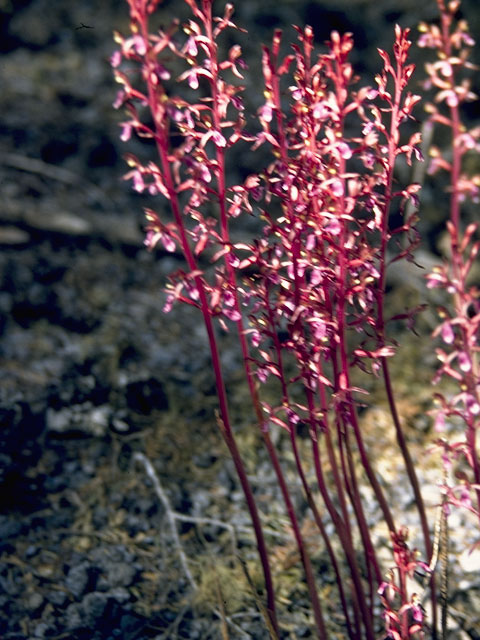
x,y
306,296
460,323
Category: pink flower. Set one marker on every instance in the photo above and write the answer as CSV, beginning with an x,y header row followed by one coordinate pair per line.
x,y
256,338
319,330
449,96
321,111
204,172
229,298
464,362
116,59
138,183
135,43
140,45
232,314
334,227
472,404
448,334
151,239
336,188
119,100
266,113
316,277
193,79
344,150
262,374
296,93
215,136
436,280
126,132
168,243
191,47
431,37
417,612
293,417
167,307
465,499
439,424
237,103
219,139
161,72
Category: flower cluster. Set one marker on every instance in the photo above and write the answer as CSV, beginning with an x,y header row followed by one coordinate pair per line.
x,y
306,296
403,613
191,172
322,257
460,319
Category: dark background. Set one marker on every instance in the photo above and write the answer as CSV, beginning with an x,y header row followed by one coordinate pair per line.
x,y
90,369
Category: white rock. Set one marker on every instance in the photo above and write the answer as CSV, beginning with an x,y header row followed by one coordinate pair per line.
x,y
469,560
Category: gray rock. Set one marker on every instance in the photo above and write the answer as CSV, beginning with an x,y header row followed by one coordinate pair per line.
x,y
73,617
120,595
35,602
9,527
93,607
80,578
57,598
116,575
40,630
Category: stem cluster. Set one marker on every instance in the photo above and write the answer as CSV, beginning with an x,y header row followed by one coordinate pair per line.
x,y
306,297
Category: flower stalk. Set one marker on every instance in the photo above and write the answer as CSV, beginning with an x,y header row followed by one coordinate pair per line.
x,y
306,296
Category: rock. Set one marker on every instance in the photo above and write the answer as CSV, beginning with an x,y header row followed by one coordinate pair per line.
x,y
61,222
120,574
120,595
469,560
80,578
9,527
73,617
90,420
93,607
41,630
35,602
13,236
57,598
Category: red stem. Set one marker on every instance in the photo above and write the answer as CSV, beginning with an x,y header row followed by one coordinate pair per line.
x,y
224,421
291,512
458,264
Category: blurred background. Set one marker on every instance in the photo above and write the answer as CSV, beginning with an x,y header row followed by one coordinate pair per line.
x,y
90,369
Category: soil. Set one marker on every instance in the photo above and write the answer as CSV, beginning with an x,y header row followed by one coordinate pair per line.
x,y
95,382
